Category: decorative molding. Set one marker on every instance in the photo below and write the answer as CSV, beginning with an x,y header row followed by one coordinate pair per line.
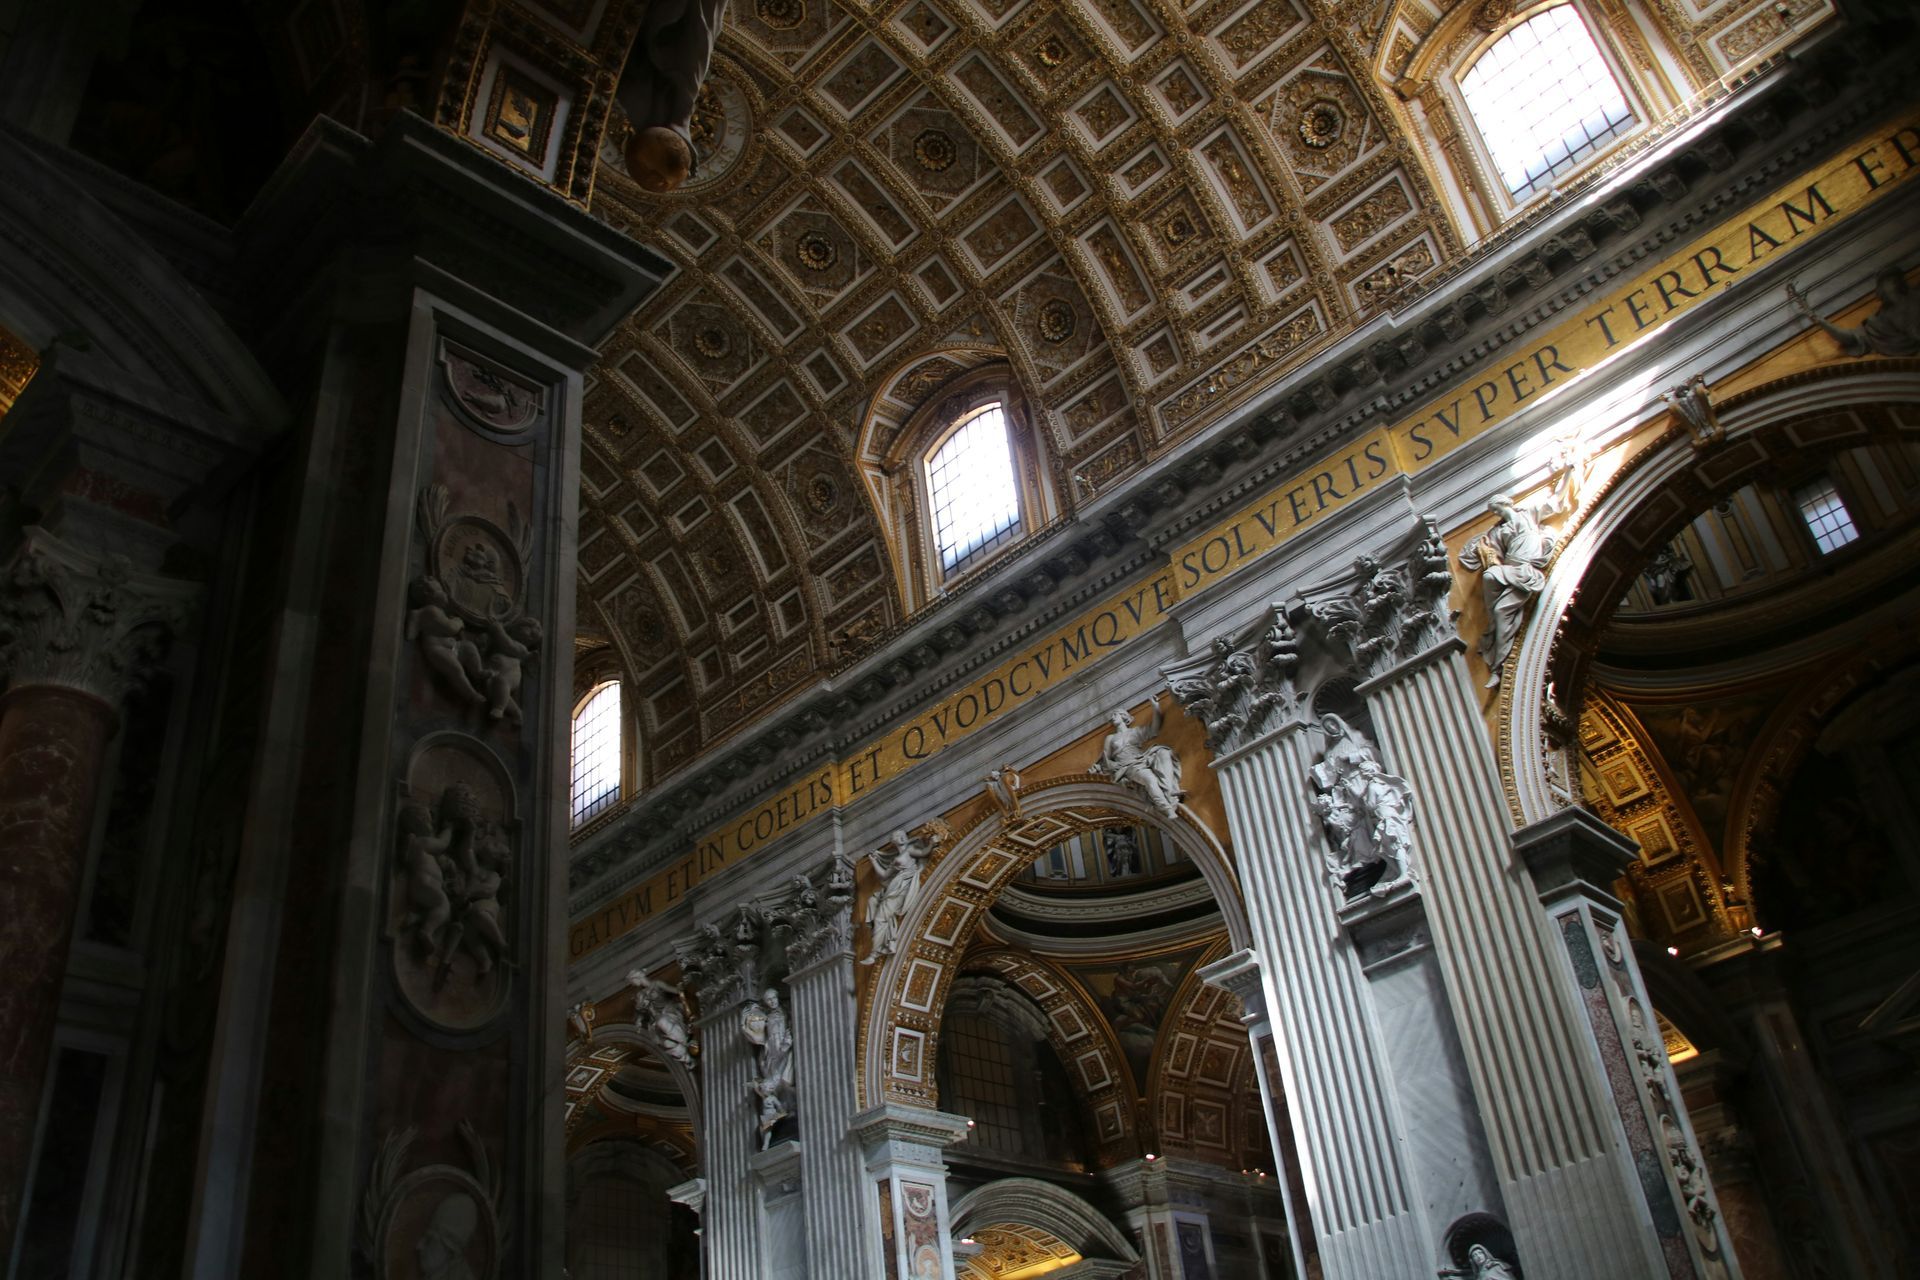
x,y
1241,692
89,623
1391,608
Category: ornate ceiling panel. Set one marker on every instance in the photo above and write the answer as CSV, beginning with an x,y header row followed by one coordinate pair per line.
x,y
1148,211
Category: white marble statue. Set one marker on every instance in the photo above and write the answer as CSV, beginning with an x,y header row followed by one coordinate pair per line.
x,y
764,1025
660,1010
899,882
1482,1264
1510,560
1127,760
1368,813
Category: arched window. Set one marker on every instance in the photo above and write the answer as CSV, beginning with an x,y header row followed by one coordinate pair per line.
x,y
972,492
596,752
1544,99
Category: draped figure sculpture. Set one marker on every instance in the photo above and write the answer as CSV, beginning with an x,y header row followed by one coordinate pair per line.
x,y
1127,760
764,1025
1368,813
899,881
1893,330
660,1011
1510,559
662,79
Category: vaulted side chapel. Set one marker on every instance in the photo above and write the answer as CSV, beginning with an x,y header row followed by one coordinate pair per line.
x,y
959,640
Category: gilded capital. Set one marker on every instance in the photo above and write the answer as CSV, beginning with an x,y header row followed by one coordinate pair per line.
x,y
84,622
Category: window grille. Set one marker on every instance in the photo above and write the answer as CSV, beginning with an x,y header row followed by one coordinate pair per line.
x,y
1826,514
972,492
981,1063
596,752
1544,99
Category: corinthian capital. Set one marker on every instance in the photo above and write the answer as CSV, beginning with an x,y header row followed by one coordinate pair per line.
x,y
1241,689
84,622
818,920
1392,607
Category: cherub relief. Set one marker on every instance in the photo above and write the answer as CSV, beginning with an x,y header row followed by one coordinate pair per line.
x,y
444,645
511,644
425,866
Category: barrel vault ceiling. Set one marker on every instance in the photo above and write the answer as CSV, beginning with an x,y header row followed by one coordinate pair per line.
x,y
1147,211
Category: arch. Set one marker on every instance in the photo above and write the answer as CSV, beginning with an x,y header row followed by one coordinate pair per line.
x,y
626,1035
900,1025
1201,1074
1624,522
1029,1202
73,268
1083,1040
916,406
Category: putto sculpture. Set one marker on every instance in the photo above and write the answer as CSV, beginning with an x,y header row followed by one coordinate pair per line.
x,y
1153,771
1367,812
899,873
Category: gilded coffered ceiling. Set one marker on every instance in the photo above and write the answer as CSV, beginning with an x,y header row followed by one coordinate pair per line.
x,y
1145,211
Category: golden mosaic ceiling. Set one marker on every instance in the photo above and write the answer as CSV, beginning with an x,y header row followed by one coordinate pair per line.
x,y
1146,211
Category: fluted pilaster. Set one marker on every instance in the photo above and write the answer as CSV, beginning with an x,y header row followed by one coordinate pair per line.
x,y
728,1139
1343,1113
1540,1094
831,1173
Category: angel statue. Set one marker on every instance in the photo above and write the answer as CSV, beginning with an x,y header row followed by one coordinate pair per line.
x,y
661,1010
764,1025
1154,770
899,881
1367,812
1510,559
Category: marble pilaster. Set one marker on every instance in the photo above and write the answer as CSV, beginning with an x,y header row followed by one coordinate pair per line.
x,y
1239,974
1574,859
375,1053
1336,1082
906,1177
726,975
1569,1192
782,1222
693,1194
826,1015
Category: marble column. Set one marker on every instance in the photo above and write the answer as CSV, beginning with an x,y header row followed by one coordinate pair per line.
x,y
75,633
826,1017
1574,860
906,1177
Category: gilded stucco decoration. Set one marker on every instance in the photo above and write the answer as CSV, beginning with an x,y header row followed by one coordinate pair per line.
x,y
1145,216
